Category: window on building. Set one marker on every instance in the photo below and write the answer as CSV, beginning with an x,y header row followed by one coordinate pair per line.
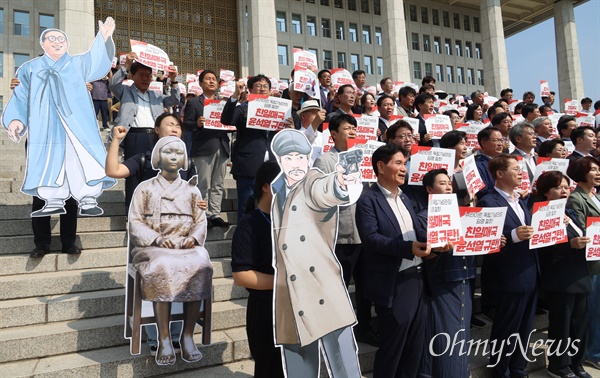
x,y
352,5
1,20
415,41
435,17
458,47
366,33
478,50
456,19
412,10
314,51
466,22
379,66
353,32
1,104
20,59
281,24
325,3
368,67
450,74
339,30
439,73
448,46
310,1
296,24
325,28
468,49
417,70
437,45
476,24
377,7
327,60
21,23
460,75
426,43
424,15
353,62
446,18
1,64
282,54
46,22
338,4
480,77
470,78
364,6
428,69
378,36
341,60
311,25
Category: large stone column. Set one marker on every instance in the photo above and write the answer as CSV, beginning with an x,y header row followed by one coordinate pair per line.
x,y
76,19
570,80
262,38
495,73
243,38
396,62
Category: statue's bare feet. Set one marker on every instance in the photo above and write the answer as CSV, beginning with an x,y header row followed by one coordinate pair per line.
x,y
189,351
165,355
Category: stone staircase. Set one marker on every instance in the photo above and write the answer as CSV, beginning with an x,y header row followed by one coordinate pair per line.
x,y
62,315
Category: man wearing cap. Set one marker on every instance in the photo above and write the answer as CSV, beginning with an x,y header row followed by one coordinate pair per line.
x,y
311,116
312,305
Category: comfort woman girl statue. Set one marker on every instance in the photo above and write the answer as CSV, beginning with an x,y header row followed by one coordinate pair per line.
x,y
167,230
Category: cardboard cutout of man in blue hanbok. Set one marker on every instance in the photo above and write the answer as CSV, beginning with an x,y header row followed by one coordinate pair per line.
x,y
65,153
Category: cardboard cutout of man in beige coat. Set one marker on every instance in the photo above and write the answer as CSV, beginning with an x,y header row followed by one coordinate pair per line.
x,y
312,308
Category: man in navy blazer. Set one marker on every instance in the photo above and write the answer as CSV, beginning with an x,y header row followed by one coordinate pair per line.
x,y
252,146
513,272
392,254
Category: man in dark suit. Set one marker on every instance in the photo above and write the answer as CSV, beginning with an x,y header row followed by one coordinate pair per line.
x,y
523,136
252,146
491,143
584,140
513,272
210,149
394,279
326,89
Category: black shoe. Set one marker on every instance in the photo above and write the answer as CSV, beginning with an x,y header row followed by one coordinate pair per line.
x,y
71,250
218,222
540,311
39,252
105,127
477,323
562,373
91,212
489,315
578,371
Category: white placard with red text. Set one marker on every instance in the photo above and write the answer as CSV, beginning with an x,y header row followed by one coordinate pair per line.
x,y
305,60
191,78
471,175
482,230
195,88
268,113
226,75
122,59
443,220
437,125
571,106
545,164
212,115
544,88
367,147
548,221
400,84
151,56
592,249
525,183
156,86
339,77
367,126
306,81
182,88
413,122
227,89
327,140
424,159
585,119
472,130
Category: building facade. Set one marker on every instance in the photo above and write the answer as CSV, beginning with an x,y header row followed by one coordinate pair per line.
x,y
460,44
